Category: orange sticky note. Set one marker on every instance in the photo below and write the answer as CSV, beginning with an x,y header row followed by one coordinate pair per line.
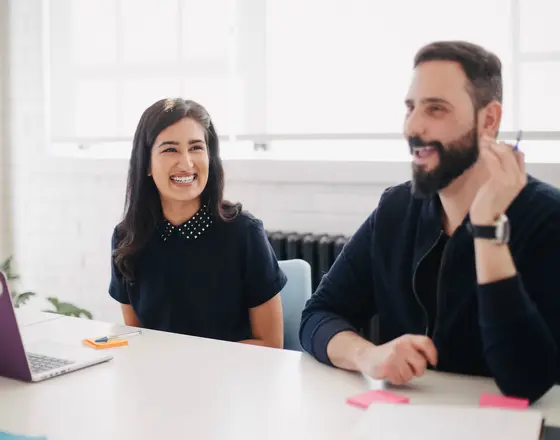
x,y
111,343
366,399
495,401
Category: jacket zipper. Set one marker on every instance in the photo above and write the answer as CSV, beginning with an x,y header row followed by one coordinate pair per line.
x,y
438,302
426,317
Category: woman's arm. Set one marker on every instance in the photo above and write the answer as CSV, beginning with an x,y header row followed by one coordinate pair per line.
x,y
267,324
129,316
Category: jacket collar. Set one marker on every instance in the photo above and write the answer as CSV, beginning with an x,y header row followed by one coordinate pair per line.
x,y
430,227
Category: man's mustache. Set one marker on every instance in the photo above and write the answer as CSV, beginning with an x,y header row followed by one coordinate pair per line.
x,y
416,142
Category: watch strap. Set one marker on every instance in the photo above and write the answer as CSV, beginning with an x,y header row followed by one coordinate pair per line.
x,y
486,231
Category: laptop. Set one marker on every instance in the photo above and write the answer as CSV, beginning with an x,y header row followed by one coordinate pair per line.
x,y
41,360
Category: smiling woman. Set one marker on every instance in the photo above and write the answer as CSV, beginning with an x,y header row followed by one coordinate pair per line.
x,y
184,259
179,167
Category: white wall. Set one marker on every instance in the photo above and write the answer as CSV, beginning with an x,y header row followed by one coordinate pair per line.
x,y
4,153
64,210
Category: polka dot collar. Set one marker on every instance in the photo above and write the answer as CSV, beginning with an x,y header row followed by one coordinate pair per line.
x,y
191,229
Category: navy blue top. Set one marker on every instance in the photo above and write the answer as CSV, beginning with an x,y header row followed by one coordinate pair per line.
x,y
201,278
393,268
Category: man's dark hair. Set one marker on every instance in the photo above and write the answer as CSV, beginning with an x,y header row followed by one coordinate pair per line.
x,y
482,68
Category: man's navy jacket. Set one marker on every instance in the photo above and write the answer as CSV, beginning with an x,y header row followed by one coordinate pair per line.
x,y
508,329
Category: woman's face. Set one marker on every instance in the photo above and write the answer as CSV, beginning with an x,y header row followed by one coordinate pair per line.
x,y
179,162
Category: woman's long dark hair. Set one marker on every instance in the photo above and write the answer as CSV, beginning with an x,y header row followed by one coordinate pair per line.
x,y
143,210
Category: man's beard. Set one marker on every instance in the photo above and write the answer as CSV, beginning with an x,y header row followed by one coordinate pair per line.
x,y
454,160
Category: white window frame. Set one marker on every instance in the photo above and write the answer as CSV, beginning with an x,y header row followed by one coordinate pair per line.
x,y
260,145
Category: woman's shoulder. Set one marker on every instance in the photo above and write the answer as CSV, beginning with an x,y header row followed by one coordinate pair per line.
x,y
244,230
244,222
116,235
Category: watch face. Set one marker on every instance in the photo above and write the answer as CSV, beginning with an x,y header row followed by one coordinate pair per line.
x,y
502,229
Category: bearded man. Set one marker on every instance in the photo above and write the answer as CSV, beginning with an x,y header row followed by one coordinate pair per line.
x,y
461,265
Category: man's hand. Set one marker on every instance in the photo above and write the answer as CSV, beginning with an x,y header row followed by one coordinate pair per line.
x,y
506,168
400,360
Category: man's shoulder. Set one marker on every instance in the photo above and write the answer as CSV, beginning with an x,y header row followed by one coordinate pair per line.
x,y
397,200
538,200
400,192
396,204
543,192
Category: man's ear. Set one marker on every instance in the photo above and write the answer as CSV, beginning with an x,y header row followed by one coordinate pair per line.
x,y
490,118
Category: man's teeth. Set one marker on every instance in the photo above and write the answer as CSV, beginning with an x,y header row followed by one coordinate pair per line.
x,y
183,179
423,151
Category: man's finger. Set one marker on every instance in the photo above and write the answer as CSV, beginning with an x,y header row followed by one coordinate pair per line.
x,y
396,379
492,161
506,156
417,362
520,157
389,371
425,346
405,370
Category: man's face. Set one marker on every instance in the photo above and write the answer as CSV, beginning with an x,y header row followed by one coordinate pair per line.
x,y
440,126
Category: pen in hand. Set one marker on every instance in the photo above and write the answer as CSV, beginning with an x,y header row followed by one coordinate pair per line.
x,y
516,146
108,338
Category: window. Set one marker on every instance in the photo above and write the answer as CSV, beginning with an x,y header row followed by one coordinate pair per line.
x,y
111,59
539,26
540,92
344,67
296,76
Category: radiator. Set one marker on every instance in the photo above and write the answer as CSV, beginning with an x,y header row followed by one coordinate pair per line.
x,y
319,251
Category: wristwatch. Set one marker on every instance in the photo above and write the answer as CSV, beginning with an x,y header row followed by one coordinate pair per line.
x,y
499,232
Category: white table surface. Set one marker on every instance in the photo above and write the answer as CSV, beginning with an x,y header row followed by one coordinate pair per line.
x,y
172,386
27,316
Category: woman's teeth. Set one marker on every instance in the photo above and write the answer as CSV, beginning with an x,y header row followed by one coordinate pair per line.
x,y
183,179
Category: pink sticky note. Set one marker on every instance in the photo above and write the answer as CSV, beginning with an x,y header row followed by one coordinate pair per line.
x,y
366,399
496,401
362,400
387,397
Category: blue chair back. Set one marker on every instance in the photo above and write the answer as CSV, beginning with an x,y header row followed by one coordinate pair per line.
x,y
294,295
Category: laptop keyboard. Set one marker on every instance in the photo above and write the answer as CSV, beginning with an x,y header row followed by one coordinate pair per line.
x,y
40,363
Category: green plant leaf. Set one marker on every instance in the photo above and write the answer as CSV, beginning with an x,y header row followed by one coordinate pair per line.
x,y
61,308
21,298
6,267
68,309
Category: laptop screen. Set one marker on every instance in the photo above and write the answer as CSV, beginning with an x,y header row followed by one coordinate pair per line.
x,y
13,360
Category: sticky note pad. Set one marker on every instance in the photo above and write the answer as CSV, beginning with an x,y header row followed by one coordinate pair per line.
x,y
10,436
111,343
387,397
366,399
495,401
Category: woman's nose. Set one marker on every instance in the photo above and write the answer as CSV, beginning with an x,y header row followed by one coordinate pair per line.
x,y
187,159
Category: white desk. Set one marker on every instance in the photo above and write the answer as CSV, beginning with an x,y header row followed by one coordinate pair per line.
x,y
172,386
27,316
